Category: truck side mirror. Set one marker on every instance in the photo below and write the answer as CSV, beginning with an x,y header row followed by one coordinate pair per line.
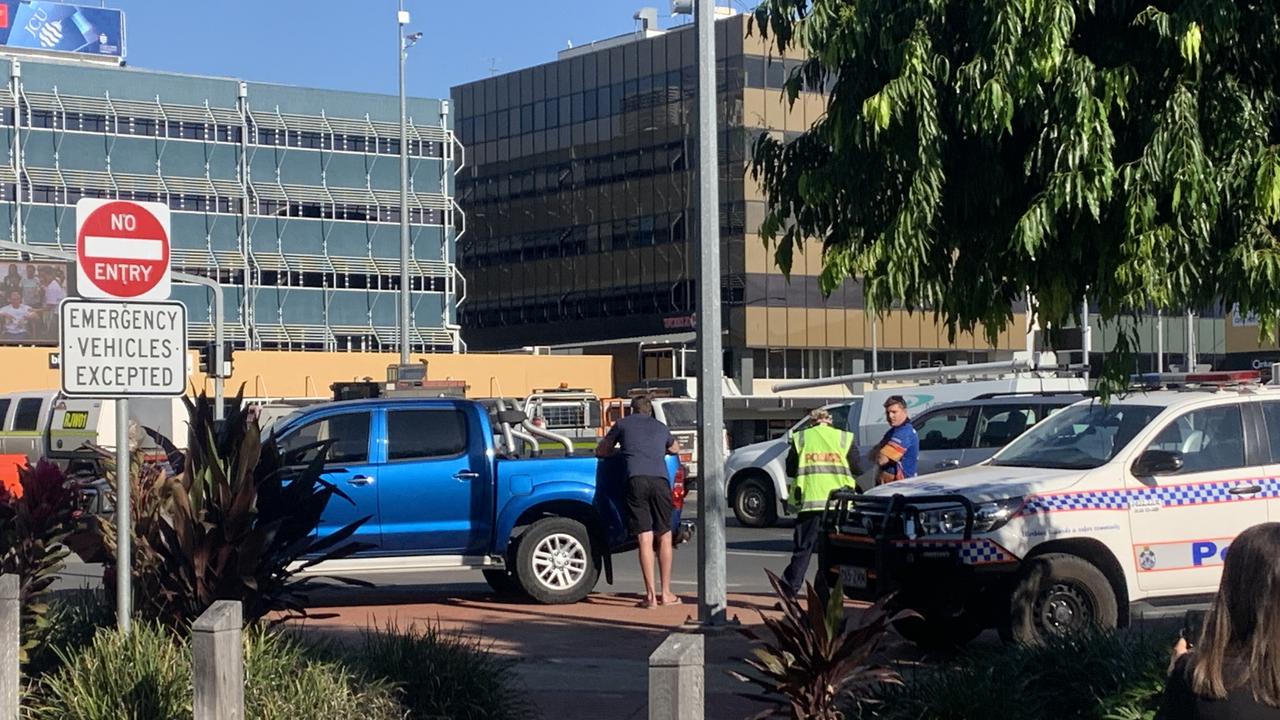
x,y
1157,462
511,417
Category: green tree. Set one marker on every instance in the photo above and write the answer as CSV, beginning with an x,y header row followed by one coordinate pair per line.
x,y
974,150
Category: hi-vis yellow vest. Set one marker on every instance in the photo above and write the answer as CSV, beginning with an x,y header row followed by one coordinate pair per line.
x,y
823,467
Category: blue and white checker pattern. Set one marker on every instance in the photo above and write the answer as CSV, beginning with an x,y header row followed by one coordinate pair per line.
x,y
1094,500
1172,496
972,552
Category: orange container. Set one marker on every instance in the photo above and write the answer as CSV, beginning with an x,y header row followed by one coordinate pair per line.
x,y
9,465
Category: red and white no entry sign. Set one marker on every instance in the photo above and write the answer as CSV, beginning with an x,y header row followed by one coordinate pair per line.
x,y
122,249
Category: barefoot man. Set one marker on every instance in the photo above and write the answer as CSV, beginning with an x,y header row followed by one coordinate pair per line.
x,y
645,442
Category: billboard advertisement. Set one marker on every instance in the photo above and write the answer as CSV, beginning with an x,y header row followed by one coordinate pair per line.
x,y
31,292
58,27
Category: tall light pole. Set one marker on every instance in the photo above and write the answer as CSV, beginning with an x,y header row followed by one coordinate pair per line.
x,y
403,43
712,597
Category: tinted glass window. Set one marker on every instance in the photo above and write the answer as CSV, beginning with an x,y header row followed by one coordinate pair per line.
x,y
1208,439
1079,437
4,412
349,433
944,430
27,416
1270,412
417,434
998,425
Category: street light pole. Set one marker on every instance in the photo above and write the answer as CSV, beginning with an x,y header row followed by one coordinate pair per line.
x,y
712,597
402,48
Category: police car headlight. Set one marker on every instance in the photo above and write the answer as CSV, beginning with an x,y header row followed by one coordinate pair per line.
x,y
943,521
993,515
986,517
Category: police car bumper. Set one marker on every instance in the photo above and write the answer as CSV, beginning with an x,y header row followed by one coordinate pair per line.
x,y
871,546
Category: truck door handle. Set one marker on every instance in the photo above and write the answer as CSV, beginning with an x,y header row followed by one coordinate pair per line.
x,y
360,480
1245,489
950,463
466,475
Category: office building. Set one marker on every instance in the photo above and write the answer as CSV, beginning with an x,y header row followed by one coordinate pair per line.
x,y
580,194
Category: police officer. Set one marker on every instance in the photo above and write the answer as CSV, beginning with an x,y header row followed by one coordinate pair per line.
x,y
821,459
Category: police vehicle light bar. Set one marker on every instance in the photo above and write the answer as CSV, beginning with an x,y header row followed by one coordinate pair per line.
x,y
1226,377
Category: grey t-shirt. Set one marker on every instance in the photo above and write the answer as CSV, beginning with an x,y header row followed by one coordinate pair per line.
x,y
644,442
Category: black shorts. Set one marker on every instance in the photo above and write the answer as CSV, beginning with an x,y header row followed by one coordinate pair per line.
x,y
649,505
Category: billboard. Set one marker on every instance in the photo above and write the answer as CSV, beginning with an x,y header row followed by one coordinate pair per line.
x,y
30,294
58,27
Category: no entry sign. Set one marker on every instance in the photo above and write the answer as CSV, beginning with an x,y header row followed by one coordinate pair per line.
x,y
122,249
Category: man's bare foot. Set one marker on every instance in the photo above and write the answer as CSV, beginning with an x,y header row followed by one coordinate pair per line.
x,y
670,599
646,604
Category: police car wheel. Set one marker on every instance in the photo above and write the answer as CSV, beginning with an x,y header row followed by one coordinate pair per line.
x,y
754,504
555,563
1059,594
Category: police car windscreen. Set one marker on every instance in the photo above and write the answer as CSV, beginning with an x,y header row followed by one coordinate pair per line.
x,y
1079,437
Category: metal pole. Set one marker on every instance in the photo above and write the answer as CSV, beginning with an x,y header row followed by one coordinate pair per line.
x,y
712,600
1191,342
1086,336
402,19
875,344
1159,341
124,520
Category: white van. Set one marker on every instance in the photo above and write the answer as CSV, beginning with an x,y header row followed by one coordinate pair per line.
x,y
1096,510
756,474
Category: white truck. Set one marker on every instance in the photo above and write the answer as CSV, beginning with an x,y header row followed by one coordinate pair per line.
x,y
1096,514
756,474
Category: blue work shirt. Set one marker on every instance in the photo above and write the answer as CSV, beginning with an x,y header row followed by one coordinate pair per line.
x,y
644,441
902,445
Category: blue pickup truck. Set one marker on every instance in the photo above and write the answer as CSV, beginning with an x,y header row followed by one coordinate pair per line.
x,y
443,492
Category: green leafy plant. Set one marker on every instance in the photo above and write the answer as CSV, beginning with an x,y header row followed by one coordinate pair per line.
x,y
1094,675
143,674
235,524
973,154
73,619
146,675
33,525
286,679
442,674
817,657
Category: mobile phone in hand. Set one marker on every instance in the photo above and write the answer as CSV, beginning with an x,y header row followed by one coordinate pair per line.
x,y
1192,625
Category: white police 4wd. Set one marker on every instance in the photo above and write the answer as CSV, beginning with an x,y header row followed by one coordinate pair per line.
x,y
1096,510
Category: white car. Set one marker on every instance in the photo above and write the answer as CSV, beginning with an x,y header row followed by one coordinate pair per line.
x,y
756,474
1096,510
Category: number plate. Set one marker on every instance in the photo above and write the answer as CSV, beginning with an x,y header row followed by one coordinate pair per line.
x,y
75,420
853,577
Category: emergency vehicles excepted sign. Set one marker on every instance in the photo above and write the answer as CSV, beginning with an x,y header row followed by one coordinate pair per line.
x,y
122,249
123,349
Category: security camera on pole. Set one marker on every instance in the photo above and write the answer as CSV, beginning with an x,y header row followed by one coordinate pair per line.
x,y
123,338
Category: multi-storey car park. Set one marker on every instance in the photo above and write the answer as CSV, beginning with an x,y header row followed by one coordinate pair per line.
x,y
288,197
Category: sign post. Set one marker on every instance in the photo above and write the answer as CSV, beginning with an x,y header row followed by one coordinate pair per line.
x,y
123,344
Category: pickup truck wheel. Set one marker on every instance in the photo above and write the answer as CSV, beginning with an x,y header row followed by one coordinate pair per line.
x,y
1059,594
555,563
754,503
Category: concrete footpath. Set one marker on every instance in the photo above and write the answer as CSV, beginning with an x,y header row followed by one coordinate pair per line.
x,y
587,661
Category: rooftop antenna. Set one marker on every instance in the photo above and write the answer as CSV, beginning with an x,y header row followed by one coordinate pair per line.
x,y
493,66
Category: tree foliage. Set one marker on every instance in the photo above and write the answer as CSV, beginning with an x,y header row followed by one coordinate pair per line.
x,y
974,150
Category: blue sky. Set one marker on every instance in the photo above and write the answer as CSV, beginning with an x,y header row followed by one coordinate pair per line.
x,y
350,44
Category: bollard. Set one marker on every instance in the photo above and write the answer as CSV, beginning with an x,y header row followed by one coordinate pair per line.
x,y
10,640
217,662
676,679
